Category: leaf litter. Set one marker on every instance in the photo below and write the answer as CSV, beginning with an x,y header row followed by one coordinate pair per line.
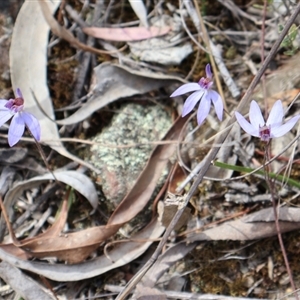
x,y
96,249
125,34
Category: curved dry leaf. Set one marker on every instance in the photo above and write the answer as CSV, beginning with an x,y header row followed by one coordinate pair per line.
x,y
56,229
78,181
28,63
72,247
122,254
254,226
126,34
115,82
77,246
285,214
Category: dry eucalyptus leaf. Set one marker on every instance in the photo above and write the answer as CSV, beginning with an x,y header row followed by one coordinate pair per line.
x,y
17,247
114,82
126,34
21,248
122,254
71,247
25,286
75,247
254,226
285,214
28,63
78,181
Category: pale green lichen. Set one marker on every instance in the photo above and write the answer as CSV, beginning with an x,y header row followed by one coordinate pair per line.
x,y
120,167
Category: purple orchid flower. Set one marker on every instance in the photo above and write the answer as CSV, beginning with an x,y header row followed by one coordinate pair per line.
x,y
15,108
204,94
273,128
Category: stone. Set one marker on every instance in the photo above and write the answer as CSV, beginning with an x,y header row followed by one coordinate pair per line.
x,y
134,125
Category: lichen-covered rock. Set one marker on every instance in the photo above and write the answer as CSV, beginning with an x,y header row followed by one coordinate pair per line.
x,y
120,166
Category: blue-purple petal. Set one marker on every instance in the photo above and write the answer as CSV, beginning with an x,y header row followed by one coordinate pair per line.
x,y
249,128
32,124
2,104
203,110
276,114
5,115
9,104
186,88
255,115
191,102
208,71
218,103
16,129
279,131
18,93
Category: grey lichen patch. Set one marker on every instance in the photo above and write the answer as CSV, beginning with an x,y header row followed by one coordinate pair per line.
x,y
120,167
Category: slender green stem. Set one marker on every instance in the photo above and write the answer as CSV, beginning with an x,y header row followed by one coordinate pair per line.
x,y
242,169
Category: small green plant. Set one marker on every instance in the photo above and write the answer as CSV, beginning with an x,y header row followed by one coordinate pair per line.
x,y
288,41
